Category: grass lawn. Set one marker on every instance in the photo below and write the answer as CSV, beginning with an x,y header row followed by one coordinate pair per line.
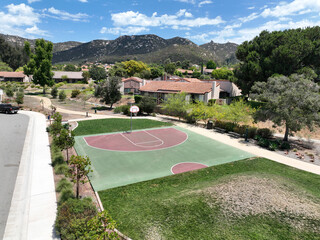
x,y
247,199
115,125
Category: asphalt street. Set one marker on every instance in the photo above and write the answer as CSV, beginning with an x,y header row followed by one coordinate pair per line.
x,y
13,128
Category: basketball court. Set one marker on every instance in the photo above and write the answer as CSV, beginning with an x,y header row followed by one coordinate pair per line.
x,y
128,157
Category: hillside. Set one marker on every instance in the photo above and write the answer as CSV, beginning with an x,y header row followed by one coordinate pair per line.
x,y
19,42
222,51
148,48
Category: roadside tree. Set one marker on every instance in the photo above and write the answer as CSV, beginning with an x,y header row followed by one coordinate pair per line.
x,y
290,101
79,168
64,140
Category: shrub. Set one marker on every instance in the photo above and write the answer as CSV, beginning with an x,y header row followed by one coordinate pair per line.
x,y
54,92
60,84
263,142
190,119
228,126
75,93
63,184
118,109
147,104
58,160
62,95
211,102
285,145
61,169
273,145
252,132
137,98
130,93
65,195
240,129
72,216
264,132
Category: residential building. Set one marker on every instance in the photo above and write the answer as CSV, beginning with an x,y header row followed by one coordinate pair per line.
x,y
131,84
70,77
13,77
196,91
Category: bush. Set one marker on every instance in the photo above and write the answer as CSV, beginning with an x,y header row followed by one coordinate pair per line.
x,y
274,145
61,169
211,102
255,104
285,145
72,216
252,132
147,104
264,133
54,92
190,119
240,129
263,142
118,109
57,160
60,84
65,195
228,126
75,93
62,95
64,184
137,98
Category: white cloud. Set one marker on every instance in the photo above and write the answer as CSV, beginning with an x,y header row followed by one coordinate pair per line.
x,y
124,31
32,1
249,18
83,1
204,37
251,8
204,2
292,8
20,20
187,1
183,12
63,15
138,19
36,31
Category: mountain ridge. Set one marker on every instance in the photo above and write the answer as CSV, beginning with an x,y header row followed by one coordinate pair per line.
x,y
150,48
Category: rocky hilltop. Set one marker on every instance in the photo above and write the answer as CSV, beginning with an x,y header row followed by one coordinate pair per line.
x,y
149,48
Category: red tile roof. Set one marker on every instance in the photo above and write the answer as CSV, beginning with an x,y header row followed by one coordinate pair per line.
x,y
191,79
132,79
12,74
175,87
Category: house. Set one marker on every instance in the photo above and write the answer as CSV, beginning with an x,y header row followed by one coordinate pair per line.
x,y
227,88
70,77
196,91
13,77
131,84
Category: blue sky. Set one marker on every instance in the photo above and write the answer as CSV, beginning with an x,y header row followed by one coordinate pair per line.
x,y
198,20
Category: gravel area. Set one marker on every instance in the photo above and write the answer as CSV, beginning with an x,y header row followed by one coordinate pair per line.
x,y
250,195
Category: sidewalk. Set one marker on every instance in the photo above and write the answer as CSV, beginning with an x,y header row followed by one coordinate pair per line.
x,y
33,207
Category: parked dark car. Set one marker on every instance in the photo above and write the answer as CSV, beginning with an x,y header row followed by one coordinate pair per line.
x,y
8,108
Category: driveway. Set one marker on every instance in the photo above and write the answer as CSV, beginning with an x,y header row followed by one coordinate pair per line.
x,y
13,128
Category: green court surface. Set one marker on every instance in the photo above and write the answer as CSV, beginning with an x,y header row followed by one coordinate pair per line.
x,y
113,168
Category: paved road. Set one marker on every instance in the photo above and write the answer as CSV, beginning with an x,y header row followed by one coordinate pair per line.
x,y
13,128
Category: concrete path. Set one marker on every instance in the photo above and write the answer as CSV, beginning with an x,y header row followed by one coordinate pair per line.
x,y
33,207
13,129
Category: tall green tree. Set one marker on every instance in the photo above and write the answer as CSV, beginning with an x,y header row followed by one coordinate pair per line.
x,y
109,91
211,64
169,68
239,112
290,101
97,73
79,168
132,67
5,67
40,64
86,76
281,52
222,73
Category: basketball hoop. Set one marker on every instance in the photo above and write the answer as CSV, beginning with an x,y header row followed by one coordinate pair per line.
x,y
133,109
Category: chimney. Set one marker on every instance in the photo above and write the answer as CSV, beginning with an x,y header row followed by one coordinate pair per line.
x,y
214,86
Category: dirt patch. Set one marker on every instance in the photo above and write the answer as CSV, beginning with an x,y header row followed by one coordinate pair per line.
x,y
153,233
251,195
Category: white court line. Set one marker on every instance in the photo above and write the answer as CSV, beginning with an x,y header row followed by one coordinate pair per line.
x,y
137,144
111,150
